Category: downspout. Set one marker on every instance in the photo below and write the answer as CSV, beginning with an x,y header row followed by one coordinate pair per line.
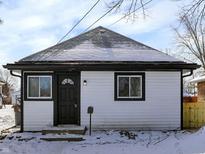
x,y
182,77
11,72
21,78
190,73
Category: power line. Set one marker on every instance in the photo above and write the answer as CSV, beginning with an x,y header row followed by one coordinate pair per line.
x,y
101,17
79,21
98,19
118,19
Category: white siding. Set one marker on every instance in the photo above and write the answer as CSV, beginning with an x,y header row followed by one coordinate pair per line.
x,y
160,110
37,115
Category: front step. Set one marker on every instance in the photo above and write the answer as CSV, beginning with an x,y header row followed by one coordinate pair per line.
x,y
65,130
68,139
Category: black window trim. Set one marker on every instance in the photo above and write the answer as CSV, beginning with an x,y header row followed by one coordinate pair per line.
x,y
116,74
26,98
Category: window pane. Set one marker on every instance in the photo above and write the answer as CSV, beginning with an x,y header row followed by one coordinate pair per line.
x,y
33,87
123,86
45,86
135,86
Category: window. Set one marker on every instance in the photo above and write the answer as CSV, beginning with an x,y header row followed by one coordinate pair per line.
x,y
129,86
39,87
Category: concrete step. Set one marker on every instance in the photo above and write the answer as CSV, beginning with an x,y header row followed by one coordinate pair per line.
x,y
65,130
68,139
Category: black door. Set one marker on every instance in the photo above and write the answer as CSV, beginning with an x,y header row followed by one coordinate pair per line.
x,y
68,98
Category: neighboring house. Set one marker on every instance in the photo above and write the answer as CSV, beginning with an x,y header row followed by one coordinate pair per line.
x,y
200,81
129,84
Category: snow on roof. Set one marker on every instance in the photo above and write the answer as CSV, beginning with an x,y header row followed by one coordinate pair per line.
x,y
100,44
198,79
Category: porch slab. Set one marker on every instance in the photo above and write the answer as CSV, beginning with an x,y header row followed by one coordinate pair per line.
x,y
63,139
65,129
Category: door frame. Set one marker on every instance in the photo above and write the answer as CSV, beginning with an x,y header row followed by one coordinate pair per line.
x,y
55,95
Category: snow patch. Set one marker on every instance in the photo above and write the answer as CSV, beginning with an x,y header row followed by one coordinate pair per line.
x,y
6,117
101,142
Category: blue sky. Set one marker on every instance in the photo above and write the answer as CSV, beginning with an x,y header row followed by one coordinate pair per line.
x,y
31,25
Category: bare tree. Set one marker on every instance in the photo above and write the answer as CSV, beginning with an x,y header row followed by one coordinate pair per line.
x,y
10,81
191,35
195,7
131,8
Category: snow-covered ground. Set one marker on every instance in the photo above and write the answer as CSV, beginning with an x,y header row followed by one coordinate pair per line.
x,y
6,117
104,142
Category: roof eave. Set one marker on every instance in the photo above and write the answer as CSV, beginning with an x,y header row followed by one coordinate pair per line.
x,y
101,66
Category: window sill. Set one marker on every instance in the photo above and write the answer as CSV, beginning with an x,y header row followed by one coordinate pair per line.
x,y
38,99
129,99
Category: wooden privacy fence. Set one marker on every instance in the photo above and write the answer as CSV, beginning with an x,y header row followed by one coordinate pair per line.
x,y
193,114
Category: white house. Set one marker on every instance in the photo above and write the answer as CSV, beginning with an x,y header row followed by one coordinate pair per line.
x,y
130,85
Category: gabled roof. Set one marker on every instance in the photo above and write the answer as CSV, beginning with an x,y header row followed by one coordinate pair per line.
x,y
99,44
100,49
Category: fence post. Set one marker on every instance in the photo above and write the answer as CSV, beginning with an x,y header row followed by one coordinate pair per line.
x,y
189,111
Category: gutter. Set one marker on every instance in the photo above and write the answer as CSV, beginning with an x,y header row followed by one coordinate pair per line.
x,y
11,72
21,78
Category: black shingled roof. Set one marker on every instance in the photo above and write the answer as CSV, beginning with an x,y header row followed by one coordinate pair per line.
x,y
100,49
99,44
